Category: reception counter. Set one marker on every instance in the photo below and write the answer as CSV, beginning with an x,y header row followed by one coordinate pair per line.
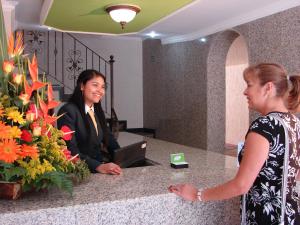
x,y
138,196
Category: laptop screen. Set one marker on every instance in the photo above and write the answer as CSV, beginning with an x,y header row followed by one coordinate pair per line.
x,y
132,149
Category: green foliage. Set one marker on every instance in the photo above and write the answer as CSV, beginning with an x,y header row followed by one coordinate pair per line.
x,y
79,171
11,173
48,180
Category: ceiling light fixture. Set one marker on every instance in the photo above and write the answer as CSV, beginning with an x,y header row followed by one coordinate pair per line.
x,y
203,39
152,34
122,13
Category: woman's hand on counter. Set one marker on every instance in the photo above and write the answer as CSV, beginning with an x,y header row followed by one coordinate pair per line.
x,y
109,168
186,191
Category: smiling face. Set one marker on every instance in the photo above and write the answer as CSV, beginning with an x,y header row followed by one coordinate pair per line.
x,y
255,92
93,90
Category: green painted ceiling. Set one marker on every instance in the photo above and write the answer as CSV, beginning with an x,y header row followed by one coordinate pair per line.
x,y
90,15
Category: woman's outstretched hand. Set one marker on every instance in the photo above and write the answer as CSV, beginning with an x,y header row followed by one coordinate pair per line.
x,y
186,191
109,168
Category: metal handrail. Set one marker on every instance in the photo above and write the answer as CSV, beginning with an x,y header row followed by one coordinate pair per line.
x,y
67,47
87,47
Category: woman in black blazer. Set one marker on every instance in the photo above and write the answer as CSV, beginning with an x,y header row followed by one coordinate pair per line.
x,y
84,115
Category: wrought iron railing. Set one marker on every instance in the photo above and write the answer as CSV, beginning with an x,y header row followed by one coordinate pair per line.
x,y
62,57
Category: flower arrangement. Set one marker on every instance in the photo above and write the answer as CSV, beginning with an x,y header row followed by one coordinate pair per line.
x,y
32,150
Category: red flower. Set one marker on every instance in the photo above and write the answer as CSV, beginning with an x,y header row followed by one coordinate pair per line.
x,y
75,158
69,157
67,133
67,153
26,136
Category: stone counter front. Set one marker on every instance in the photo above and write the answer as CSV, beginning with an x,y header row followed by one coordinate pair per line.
x,y
138,196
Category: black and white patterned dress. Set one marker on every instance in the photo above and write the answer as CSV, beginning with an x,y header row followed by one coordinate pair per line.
x,y
263,201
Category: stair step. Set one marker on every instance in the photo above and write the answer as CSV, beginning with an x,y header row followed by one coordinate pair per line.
x,y
147,132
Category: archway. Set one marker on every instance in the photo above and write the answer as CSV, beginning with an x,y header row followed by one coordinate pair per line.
x,y
216,104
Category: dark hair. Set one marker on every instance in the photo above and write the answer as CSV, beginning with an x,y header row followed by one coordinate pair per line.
x,y
275,73
78,100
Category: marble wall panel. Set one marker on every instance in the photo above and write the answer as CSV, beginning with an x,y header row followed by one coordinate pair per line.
x,y
192,77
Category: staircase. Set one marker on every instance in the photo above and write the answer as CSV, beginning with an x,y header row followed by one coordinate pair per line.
x,y
62,57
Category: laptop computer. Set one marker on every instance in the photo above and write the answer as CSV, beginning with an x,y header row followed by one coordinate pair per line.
x,y
129,155
132,150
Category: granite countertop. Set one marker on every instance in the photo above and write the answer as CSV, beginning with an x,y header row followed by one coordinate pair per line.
x,y
205,169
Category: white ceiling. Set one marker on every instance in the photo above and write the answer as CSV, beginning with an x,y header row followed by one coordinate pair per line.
x,y
198,19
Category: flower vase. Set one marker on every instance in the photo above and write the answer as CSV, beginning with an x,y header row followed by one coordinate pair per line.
x,y
10,190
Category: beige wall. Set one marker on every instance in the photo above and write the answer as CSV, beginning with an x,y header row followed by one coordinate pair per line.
x,y
128,74
237,113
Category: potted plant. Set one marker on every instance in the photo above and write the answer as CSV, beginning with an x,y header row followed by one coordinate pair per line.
x,y
33,152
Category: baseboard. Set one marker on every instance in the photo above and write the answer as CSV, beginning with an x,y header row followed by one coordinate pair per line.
x,y
142,131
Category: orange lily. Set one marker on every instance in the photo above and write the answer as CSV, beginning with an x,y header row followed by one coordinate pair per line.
x,y
19,47
25,97
50,119
33,113
8,66
12,49
47,118
33,70
37,131
30,117
17,78
39,127
11,45
43,106
28,90
51,103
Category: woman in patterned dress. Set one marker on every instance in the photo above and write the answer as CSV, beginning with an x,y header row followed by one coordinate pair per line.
x,y
259,178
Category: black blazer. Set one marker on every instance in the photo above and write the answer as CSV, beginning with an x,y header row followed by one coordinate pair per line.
x,y
86,142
